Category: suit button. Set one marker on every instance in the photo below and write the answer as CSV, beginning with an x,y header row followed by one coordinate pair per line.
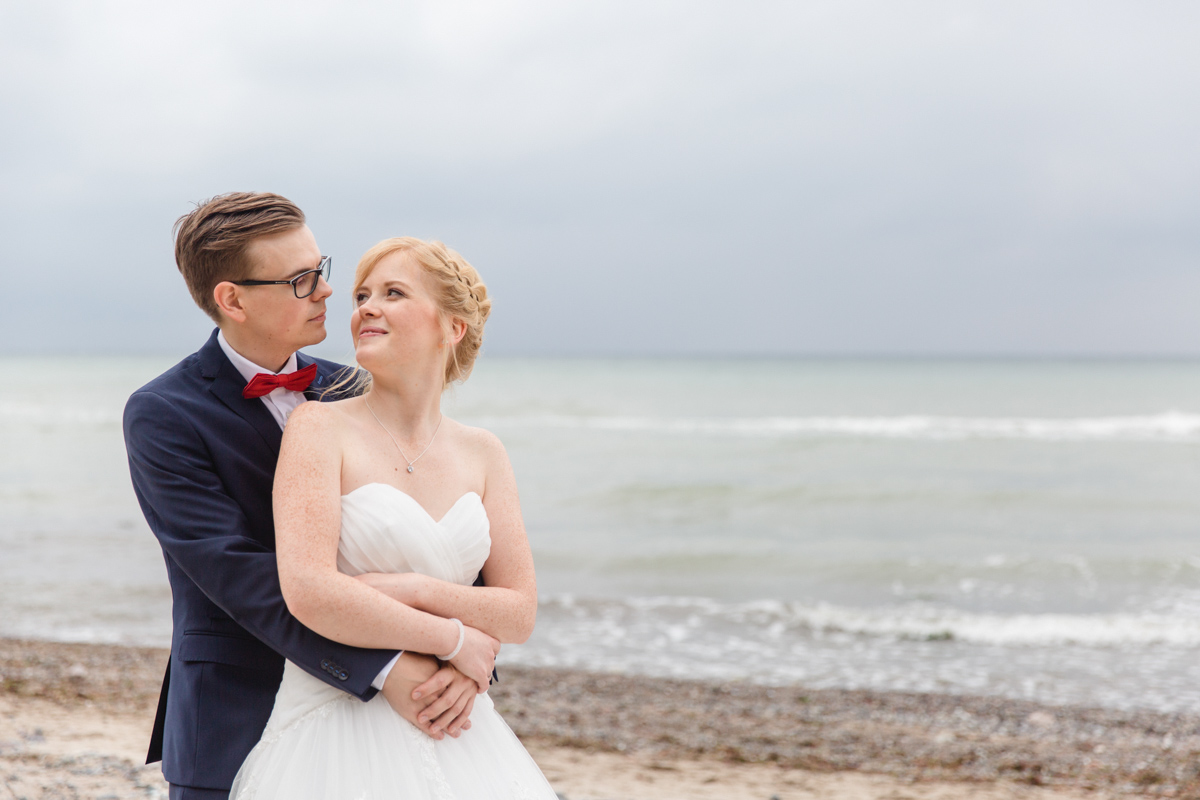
x,y
324,664
342,675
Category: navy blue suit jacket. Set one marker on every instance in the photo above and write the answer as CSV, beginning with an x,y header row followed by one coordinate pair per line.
x,y
202,459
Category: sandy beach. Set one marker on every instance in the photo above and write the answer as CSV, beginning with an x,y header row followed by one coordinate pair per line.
x,y
74,721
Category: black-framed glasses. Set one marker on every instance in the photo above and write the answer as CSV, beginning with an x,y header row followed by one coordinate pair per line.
x,y
303,284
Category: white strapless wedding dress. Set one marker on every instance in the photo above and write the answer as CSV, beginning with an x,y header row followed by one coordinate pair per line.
x,y
324,744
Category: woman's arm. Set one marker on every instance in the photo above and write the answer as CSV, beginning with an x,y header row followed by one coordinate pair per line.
x,y
307,500
506,606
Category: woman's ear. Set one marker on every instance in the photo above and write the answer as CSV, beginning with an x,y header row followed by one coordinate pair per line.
x,y
229,300
458,329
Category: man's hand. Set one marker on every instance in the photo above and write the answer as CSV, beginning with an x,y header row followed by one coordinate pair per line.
x,y
455,694
429,696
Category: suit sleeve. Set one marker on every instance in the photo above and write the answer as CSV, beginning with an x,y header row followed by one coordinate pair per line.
x,y
206,534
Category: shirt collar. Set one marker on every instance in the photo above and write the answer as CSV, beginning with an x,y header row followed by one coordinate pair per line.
x,y
245,366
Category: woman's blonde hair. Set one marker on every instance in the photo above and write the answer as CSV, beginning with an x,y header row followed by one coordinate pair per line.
x,y
457,289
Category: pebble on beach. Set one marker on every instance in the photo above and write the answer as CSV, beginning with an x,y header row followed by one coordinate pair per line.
x,y
914,737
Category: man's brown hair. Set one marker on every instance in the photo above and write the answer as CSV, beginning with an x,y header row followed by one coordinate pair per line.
x,y
211,242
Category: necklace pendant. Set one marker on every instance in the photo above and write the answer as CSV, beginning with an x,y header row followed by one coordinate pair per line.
x,y
410,468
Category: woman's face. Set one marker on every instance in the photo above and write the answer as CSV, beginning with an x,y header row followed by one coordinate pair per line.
x,y
396,322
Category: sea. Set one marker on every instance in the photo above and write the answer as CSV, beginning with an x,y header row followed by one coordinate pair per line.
x,y
1020,528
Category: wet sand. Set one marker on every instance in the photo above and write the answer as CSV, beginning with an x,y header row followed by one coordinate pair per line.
x,y
74,722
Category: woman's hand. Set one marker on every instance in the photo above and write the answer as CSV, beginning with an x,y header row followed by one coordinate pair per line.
x,y
435,698
411,670
477,657
451,710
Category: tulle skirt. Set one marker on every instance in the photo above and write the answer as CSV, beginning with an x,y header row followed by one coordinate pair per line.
x,y
326,745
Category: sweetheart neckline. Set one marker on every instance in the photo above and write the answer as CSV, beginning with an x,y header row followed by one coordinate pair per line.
x,y
449,511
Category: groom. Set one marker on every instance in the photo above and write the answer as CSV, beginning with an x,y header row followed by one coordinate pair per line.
x,y
202,440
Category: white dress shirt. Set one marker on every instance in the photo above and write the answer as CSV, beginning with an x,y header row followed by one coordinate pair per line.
x,y
281,403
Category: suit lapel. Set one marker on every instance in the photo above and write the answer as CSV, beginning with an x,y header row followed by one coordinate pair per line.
x,y
313,392
328,374
227,383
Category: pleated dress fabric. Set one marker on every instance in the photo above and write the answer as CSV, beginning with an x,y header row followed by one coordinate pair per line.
x,y
324,744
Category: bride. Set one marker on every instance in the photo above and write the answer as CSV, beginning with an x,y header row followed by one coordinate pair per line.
x,y
385,512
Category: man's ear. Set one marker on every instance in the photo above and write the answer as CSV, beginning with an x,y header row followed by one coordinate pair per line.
x,y
229,300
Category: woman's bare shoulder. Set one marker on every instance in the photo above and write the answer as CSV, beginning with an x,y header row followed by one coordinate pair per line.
x,y
479,440
320,420
483,447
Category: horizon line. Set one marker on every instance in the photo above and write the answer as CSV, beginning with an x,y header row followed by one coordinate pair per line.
x,y
713,356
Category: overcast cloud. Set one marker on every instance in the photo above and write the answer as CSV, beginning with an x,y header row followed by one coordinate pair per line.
x,y
629,178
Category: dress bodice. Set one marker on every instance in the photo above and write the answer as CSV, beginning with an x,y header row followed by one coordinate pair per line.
x,y
386,530
321,742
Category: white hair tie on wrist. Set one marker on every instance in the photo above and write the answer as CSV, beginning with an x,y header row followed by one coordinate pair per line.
x,y
462,636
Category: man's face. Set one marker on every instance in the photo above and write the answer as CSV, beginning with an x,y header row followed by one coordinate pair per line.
x,y
274,315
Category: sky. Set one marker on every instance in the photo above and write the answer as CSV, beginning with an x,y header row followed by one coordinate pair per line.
x,y
630,178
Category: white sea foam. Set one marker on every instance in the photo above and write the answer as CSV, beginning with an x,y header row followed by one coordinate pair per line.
x,y
1008,630
1170,426
911,621
1118,660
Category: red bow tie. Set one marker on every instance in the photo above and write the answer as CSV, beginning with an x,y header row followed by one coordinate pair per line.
x,y
264,382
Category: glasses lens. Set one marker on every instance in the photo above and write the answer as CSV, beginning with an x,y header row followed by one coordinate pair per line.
x,y
306,284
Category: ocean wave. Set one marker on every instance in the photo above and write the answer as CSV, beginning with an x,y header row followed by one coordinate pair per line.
x,y
1170,426
1096,630
775,619
57,415
1133,660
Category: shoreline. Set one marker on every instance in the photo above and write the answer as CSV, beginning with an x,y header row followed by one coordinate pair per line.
x,y
79,714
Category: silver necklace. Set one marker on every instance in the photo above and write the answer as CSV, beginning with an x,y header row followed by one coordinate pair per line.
x,y
393,438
